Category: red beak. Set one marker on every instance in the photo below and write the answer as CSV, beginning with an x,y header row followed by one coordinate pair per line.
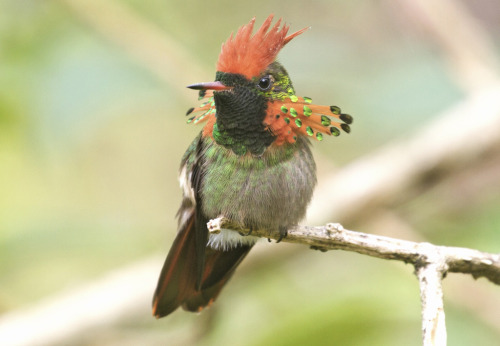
x,y
209,86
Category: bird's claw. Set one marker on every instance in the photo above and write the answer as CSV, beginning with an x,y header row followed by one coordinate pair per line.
x,y
250,230
283,234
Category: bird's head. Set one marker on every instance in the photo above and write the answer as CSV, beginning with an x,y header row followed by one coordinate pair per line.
x,y
252,105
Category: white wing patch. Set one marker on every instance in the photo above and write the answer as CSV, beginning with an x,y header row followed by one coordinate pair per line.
x,y
185,183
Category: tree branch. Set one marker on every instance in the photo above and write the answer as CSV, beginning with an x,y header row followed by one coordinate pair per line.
x,y
429,274
334,237
431,262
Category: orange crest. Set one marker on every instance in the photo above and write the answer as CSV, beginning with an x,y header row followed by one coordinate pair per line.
x,y
249,55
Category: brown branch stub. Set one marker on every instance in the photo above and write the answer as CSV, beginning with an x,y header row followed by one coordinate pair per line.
x,y
430,270
431,298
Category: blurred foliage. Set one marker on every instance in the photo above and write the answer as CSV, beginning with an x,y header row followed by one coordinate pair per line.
x,y
90,141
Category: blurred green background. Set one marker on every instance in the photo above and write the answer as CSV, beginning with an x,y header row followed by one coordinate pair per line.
x,y
92,130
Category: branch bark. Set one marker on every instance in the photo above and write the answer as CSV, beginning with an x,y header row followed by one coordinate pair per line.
x,y
431,262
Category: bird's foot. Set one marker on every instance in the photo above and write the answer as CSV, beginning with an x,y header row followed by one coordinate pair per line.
x,y
283,233
250,230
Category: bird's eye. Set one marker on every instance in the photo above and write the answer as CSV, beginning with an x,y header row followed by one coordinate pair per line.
x,y
265,83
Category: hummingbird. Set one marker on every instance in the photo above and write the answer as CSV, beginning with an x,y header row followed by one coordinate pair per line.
x,y
251,163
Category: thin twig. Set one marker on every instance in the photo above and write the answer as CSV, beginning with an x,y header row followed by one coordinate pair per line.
x,y
430,274
335,237
431,262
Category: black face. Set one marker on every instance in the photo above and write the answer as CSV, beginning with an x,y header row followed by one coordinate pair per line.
x,y
241,110
240,114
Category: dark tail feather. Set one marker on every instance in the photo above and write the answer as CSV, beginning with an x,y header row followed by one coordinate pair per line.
x,y
178,279
178,275
219,267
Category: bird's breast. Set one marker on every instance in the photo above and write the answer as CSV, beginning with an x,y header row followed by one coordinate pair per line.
x,y
270,192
